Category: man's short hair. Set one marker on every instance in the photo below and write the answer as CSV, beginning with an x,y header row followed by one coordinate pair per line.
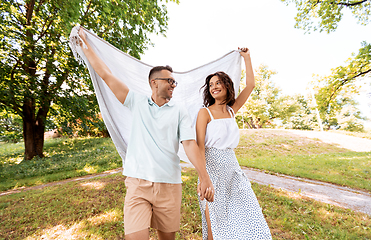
x,y
158,69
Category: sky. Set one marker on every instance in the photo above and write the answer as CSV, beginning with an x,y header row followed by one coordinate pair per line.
x,y
200,31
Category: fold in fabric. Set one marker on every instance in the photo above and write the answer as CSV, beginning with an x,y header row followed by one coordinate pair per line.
x,y
134,74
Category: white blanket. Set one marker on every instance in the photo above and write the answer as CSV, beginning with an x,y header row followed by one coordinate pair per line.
x,y
134,74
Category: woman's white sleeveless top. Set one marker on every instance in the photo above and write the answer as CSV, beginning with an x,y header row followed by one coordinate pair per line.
x,y
222,133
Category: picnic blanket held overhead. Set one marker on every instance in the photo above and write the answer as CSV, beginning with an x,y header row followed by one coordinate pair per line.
x,y
134,74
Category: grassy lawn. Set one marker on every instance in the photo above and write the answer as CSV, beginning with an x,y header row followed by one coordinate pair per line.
x,y
274,151
93,209
65,158
280,152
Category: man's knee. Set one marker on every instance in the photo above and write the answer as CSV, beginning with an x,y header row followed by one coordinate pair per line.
x,y
166,235
140,235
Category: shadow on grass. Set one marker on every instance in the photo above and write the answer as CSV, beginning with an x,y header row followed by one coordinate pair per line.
x,y
64,159
93,209
293,216
90,209
81,210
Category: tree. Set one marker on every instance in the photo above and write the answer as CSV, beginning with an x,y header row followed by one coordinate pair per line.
x,y
304,117
349,119
341,112
37,67
265,103
357,67
328,14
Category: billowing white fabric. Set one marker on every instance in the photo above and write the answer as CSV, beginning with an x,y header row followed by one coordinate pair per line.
x,y
134,74
222,133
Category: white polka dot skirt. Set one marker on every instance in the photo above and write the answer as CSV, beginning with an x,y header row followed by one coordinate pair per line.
x,y
235,213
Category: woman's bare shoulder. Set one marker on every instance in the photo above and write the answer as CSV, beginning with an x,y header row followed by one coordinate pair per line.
x,y
203,115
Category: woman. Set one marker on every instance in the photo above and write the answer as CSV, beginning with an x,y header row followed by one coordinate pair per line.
x,y
235,212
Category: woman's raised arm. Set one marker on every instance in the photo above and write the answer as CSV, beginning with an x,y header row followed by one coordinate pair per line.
x,y
250,81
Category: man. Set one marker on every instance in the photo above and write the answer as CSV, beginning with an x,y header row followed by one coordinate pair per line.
x,y
153,182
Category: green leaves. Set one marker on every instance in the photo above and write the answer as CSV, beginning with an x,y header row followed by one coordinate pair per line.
x,y
267,107
265,103
10,127
356,67
337,90
314,15
37,64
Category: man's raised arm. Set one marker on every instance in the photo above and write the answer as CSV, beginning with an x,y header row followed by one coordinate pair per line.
x,y
117,87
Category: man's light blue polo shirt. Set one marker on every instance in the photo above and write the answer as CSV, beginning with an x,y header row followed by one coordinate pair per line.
x,y
154,141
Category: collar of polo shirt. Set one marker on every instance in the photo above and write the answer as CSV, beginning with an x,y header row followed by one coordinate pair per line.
x,y
169,103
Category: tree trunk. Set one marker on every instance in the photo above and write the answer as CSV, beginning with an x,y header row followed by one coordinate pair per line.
x,y
251,123
248,124
33,131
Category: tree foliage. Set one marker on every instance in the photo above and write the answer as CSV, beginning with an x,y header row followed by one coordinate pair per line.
x,y
349,119
341,112
335,89
38,73
356,68
304,117
328,13
10,127
265,103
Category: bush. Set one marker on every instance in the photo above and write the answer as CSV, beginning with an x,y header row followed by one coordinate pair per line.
x,y
10,127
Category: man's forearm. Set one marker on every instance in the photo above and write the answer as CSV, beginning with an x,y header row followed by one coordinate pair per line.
x,y
195,157
193,152
118,87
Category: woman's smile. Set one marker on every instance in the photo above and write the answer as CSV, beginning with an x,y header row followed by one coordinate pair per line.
x,y
216,87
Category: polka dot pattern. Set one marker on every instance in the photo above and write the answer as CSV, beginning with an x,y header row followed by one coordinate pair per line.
x,y
235,213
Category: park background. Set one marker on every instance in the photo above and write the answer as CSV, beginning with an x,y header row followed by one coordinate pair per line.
x,y
43,89
202,31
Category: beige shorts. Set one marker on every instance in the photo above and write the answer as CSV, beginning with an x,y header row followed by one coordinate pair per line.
x,y
150,204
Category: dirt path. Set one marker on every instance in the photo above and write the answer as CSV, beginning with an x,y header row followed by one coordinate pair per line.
x,y
320,191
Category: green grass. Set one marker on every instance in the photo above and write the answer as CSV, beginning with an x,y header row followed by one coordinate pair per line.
x,y
346,169
280,152
65,158
271,150
93,209
275,143
8,149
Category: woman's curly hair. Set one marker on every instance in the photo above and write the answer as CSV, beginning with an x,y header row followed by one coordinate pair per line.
x,y
227,83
